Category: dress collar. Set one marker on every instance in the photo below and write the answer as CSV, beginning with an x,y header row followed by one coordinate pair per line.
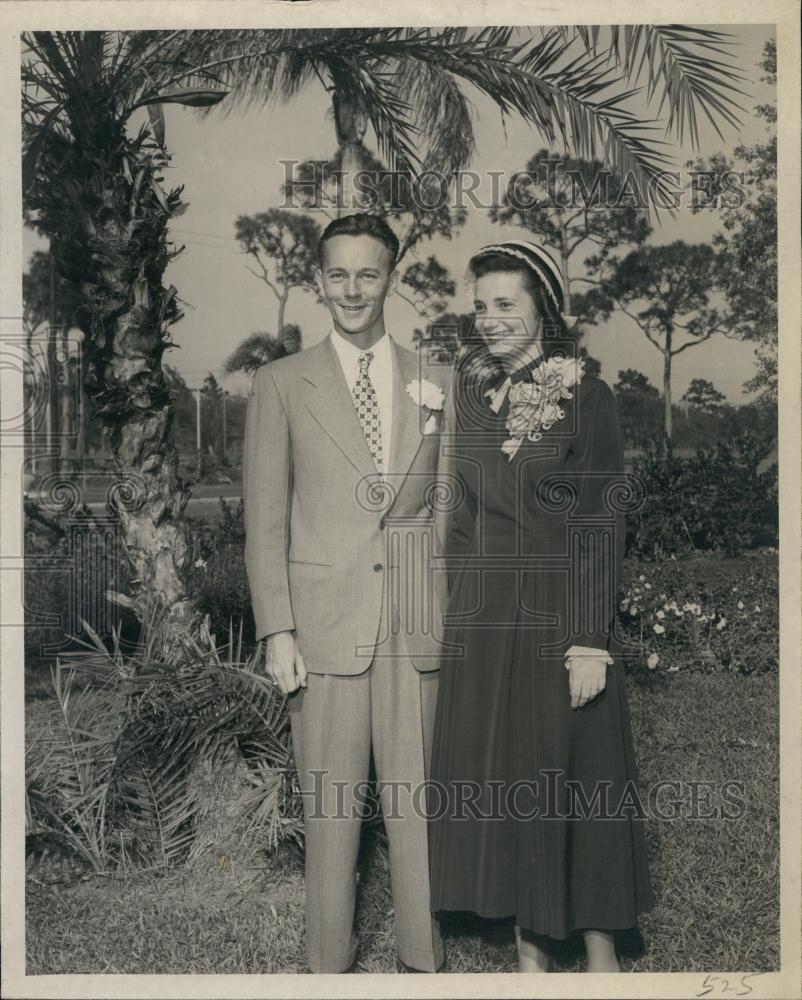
x,y
529,360
527,363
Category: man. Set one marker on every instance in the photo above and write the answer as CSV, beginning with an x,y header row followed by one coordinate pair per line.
x,y
340,470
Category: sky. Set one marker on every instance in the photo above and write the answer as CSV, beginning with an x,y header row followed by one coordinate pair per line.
x,y
230,166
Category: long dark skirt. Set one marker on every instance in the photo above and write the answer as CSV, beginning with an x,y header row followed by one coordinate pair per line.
x,y
515,828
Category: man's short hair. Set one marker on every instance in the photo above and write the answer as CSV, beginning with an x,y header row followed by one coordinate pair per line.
x,y
360,224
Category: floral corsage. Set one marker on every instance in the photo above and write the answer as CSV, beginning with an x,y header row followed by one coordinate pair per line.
x,y
535,406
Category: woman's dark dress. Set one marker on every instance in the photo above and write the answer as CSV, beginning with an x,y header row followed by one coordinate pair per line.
x,y
503,712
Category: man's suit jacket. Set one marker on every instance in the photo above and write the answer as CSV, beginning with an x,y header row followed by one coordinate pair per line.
x,y
327,540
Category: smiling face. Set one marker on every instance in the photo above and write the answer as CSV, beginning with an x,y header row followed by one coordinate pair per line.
x,y
355,278
506,315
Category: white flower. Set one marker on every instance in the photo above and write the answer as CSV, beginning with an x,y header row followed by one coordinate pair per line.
x,y
571,370
426,393
720,624
661,615
200,564
757,607
659,629
674,669
641,578
624,604
663,597
653,660
551,413
648,586
633,610
740,605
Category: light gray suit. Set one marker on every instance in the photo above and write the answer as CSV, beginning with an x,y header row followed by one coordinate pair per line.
x,y
351,561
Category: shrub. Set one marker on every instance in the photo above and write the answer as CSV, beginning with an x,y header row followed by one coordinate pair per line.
x,y
219,582
715,500
141,763
702,614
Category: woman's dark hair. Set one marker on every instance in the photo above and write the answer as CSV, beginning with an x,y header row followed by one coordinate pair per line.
x,y
360,224
474,358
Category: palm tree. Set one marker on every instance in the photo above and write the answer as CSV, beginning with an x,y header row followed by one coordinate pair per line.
x,y
259,348
96,192
573,84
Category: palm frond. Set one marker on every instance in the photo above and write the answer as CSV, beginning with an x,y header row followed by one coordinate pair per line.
x,y
688,68
125,766
410,82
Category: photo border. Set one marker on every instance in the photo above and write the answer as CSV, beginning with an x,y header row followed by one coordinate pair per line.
x,y
111,14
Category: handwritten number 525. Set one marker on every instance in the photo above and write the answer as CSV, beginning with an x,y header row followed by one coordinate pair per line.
x,y
739,987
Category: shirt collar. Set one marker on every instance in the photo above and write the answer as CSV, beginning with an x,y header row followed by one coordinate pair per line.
x,y
349,353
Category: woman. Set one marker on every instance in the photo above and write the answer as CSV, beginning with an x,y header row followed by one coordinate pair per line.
x,y
536,800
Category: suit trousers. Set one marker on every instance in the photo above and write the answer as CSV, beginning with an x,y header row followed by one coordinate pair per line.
x,y
336,721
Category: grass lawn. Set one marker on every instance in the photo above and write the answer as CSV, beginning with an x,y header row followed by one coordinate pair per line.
x,y
716,880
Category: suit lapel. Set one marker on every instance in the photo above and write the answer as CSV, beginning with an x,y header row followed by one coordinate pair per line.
x,y
330,403
407,415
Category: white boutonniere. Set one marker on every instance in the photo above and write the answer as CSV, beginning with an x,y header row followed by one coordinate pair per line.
x,y
535,406
429,396
426,393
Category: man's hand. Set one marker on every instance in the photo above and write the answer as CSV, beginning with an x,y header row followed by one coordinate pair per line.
x,y
587,678
283,662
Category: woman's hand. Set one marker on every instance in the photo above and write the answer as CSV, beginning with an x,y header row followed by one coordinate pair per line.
x,y
587,676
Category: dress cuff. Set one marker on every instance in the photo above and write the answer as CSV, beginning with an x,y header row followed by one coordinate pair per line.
x,y
587,651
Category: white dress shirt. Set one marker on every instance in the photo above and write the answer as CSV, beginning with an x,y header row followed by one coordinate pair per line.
x,y
380,371
497,397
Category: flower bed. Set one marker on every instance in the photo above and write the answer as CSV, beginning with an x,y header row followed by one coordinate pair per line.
x,y
706,613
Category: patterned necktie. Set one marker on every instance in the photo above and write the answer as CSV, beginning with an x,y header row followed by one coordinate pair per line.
x,y
367,408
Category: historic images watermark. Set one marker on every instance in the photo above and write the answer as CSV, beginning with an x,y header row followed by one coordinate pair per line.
x,y
308,184
549,795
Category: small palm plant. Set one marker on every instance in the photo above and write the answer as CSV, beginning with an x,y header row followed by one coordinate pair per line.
x,y
113,763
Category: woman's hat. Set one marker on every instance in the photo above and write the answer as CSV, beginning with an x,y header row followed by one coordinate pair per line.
x,y
540,262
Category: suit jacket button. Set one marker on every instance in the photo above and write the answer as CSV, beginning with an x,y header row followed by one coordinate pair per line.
x,y
378,567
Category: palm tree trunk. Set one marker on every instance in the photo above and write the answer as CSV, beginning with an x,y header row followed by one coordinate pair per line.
x,y
350,123
121,265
